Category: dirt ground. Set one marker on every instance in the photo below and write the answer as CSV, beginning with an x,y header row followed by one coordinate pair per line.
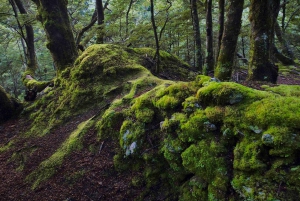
x,y
84,175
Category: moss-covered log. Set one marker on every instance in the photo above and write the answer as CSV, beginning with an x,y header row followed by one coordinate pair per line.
x,y
9,106
55,20
229,40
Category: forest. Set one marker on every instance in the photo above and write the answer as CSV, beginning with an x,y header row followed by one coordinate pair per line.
x,y
150,100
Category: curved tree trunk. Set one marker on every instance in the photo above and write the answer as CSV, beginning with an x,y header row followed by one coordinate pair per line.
x,y
197,36
282,58
232,28
54,17
9,107
262,17
286,49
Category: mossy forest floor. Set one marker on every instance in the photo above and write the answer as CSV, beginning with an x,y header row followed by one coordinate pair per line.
x,y
88,171
100,177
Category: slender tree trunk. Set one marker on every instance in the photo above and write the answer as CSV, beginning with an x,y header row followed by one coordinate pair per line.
x,y
31,56
157,55
262,17
100,21
127,16
283,15
286,49
86,28
209,61
197,36
55,19
243,47
231,32
221,25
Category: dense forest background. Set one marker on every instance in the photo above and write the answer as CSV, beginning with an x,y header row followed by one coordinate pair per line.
x,y
128,23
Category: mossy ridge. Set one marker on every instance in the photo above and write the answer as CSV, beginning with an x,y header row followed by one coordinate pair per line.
x,y
206,133
153,135
101,74
49,166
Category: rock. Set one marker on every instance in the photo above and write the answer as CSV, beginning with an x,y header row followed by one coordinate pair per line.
x,y
267,139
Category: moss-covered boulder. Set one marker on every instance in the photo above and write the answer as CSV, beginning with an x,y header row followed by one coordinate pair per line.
x,y
197,140
9,106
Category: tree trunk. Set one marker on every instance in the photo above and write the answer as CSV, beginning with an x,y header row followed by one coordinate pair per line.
x,y
127,16
209,61
283,14
100,21
286,49
221,25
55,19
282,58
157,55
30,54
231,32
197,36
86,28
9,107
262,17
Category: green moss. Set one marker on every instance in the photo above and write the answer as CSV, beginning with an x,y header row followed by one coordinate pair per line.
x,y
284,112
194,189
195,128
247,156
225,93
203,159
284,141
215,114
7,146
202,140
284,90
49,167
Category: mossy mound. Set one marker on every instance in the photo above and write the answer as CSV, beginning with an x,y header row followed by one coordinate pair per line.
x,y
9,106
199,140
208,140
101,75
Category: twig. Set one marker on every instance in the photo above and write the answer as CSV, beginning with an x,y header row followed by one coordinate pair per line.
x,y
279,188
101,146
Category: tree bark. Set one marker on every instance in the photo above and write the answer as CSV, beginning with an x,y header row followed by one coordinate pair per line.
x,y
221,25
86,28
55,20
197,36
9,107
127,16
231,32
262,17
157,55
286,49
100,21
282,58
209,61
30,54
